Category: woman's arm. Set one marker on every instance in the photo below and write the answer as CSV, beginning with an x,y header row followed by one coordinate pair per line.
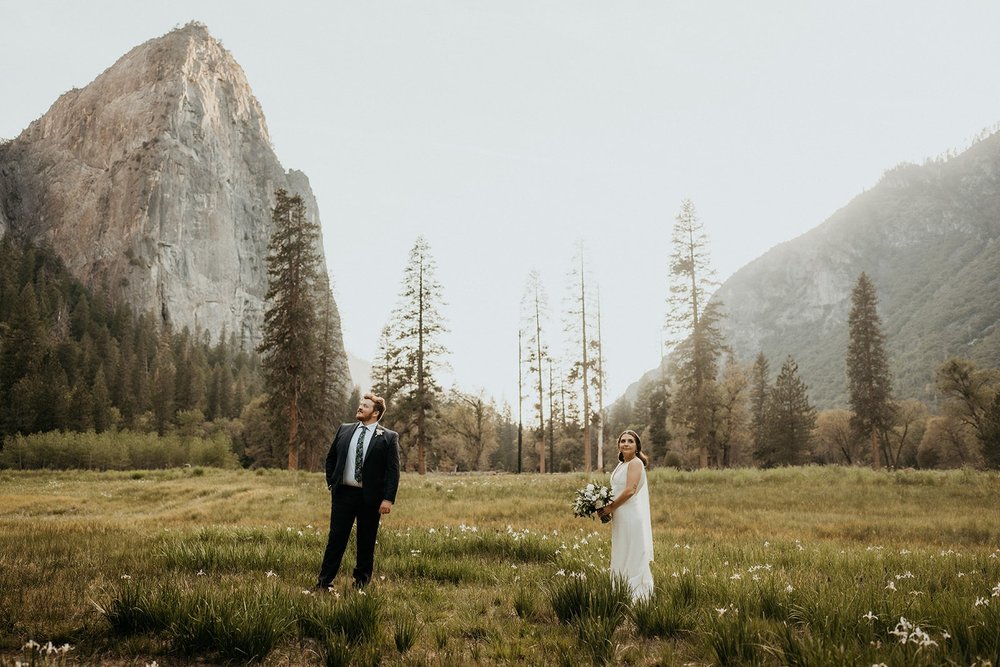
x,y
632,478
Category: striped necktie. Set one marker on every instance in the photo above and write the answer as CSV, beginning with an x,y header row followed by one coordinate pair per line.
x,y
359,453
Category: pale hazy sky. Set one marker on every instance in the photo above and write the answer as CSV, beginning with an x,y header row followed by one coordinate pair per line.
x,y
506,131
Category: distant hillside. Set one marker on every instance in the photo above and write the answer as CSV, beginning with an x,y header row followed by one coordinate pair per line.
x,y
928,236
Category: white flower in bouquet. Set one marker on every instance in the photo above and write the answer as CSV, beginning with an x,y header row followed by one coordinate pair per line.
x,y
591,498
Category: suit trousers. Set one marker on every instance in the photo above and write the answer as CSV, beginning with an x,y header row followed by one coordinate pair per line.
x,y
348,506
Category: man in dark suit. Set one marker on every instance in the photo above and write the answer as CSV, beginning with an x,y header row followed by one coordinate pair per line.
x,y
362,473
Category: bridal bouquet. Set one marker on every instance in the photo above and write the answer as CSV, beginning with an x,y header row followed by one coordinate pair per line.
x,y
591,498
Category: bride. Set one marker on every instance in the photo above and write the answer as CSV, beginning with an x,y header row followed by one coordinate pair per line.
x,y
631,530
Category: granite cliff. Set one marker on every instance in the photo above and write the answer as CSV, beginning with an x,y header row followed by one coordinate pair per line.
x,y
155,182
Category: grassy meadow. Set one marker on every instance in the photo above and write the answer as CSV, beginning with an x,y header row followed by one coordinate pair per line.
x,y
799,566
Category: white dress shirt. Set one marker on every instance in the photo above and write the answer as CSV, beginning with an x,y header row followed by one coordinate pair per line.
x,y
352,452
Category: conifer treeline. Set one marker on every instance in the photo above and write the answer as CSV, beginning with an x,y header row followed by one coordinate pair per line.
x,y
72,360
695,414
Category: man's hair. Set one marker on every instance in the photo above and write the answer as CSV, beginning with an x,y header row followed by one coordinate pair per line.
x,y
379,403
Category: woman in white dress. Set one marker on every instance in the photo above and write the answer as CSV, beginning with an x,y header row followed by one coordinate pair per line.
x,y
631,528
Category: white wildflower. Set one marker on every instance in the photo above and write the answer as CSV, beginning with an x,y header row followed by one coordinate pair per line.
x,y
912,634
870,616
891,586
271,573
902,630
789,588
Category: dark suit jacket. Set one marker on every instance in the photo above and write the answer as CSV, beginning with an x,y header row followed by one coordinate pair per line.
x,y
380,472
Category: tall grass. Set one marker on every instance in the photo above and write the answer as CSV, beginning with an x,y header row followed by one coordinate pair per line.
x,y
801,566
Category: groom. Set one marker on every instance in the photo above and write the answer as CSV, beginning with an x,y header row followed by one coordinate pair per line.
x,y
362,472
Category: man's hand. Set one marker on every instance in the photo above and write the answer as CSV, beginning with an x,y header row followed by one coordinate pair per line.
x,y
385,507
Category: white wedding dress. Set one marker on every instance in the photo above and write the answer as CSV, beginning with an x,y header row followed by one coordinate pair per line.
x,y
632,534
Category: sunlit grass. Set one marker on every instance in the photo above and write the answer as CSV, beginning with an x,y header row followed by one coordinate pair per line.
x,y
797,566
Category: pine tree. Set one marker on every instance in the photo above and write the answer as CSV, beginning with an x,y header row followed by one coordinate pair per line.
x,y
868,378
534,307
25,345
760,388
653,407
419,326
328,390
352,403
692,322
289,343
791,418
387,368
599,380
164,381
581,344
102,406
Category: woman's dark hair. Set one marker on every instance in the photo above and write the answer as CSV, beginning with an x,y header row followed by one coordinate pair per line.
x,y
638,447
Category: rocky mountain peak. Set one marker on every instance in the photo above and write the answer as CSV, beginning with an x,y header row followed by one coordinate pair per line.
x,y
155,182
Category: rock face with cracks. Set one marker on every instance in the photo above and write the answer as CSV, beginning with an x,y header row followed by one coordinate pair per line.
x,y
155,184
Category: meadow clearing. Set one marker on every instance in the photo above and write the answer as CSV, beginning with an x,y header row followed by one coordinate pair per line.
x,y
796,566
